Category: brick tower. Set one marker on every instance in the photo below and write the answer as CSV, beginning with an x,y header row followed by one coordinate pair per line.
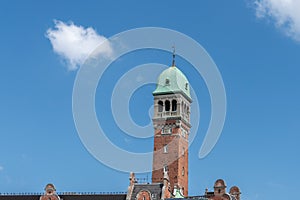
x,y
171,122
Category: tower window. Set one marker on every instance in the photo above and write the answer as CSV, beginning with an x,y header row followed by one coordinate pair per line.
x,y
167,105
174,105
166,130
182,172
167,81
160,106
166,149
166,169
186,86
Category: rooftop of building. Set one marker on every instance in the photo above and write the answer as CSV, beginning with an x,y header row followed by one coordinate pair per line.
x,y
172,80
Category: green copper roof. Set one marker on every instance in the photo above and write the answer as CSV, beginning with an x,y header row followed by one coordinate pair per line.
x,y
172,80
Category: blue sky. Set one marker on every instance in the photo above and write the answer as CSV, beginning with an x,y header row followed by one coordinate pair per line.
x,y
255,44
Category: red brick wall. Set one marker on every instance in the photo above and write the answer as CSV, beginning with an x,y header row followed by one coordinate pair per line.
x,y
175,159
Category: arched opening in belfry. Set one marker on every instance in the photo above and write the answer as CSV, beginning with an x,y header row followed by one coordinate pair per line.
x,y
160,106
174,105
167,105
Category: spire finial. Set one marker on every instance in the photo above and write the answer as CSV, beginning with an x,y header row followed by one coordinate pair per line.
x,y
173,61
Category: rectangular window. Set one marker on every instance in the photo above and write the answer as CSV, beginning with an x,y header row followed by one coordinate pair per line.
x,y
166,149
166,131
166,168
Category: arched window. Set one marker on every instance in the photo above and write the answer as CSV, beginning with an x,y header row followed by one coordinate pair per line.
x,y
167,104
174,105
160,106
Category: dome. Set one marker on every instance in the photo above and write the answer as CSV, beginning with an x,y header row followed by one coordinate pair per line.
x,y
172,80
50,186
220,183
235,190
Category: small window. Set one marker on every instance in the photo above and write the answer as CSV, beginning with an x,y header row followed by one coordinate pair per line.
x,y
182,172
186,86
166,149
183,151
166,169
167,81
160,106
167,105
166,130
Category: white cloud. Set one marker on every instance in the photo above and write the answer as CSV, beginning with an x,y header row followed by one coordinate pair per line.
x,y
75,43
285,14
1,168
